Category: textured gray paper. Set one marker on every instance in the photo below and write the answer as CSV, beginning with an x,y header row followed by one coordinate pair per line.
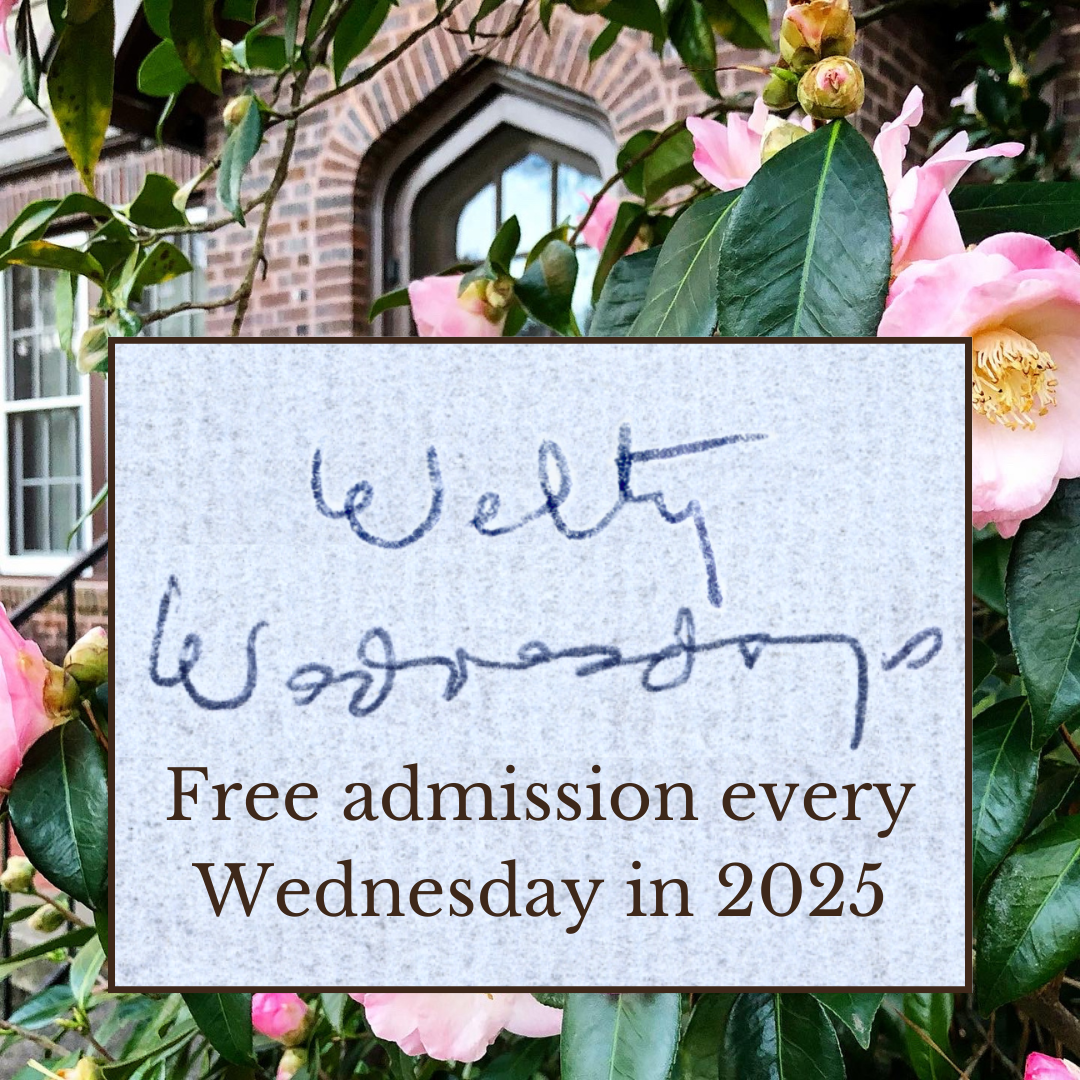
x,y
828,483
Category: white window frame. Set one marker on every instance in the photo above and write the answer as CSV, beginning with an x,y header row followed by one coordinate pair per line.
x,y
40,564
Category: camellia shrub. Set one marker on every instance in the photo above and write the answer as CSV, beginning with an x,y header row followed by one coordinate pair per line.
x,y
767,218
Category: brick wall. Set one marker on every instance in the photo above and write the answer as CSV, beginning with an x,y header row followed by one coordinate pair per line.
x,y
49,626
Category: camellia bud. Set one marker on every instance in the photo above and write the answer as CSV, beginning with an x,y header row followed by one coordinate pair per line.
x,y
18,875
235,111
814,30
497,296
46,919
779,94
781,136
60,694
88,661
292,1061
832,88
87,1069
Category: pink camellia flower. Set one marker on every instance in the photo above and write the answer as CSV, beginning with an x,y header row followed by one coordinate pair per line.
x,y
924,225
1043,1067
455,1027
439,311
1019,300
6,8
24,717
283,1017
598,228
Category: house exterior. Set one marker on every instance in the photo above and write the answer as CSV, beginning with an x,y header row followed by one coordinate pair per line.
x,y
405,174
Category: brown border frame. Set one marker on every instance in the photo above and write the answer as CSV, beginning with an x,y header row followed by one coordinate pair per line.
x,y
968,985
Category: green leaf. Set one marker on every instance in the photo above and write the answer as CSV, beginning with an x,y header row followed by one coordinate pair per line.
x,y
546,289
80,84
628,219
604,40
1045,209
157,15
84,971
49,256
79,11
225,1020
1042,589
240,147
26,47
638,14
855,1011
64,307
695,42
989,561
162,73
32,217
101,917
634,178
292,24
127,1067
334,1008
71,940
164,263
1004,773
629,1036
698,1056
932,1013
504,246
670,165
623,294
239,11
191,26
780,1037
560,232
745,23
394,298
153,207
316,17
681,301
356,31
1028,927
59,807
261,52
44,1008
983,662
808,250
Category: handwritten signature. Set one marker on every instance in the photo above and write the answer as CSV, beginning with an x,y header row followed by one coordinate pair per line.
x,y
555,490
309,681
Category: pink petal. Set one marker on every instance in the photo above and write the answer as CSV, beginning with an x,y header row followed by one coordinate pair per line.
x,y
529,1017
891,143
1044,1067
440,312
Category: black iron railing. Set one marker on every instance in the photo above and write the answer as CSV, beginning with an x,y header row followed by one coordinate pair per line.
x,y
65,585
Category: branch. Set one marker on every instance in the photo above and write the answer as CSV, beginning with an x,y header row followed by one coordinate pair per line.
x,y
35,1037
891,7
1052,1015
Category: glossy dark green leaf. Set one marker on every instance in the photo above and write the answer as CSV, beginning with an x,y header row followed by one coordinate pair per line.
x,y
932,1015
261,52
604,41
71,940
808,250
44,1008
1028,926
225,1020
316,17
628,220
681,301
160,1048
1044,209
50,256
101,926
77,12
751,28
698,1056
560,232
1004,773
26,48
623,294
989,561
639,14
34,216
153,207
855,1011
982,663
780,1037
634,147
505,245
692,35
629,1036
59,807
239,11
85,966
157,15
80,84
192,29
334,1008
546,289
162,73
670,165
355,32
241,146
292,25
1042,590
165,262
394,298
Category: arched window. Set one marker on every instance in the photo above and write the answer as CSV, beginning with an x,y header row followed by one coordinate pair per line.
x,y
512,147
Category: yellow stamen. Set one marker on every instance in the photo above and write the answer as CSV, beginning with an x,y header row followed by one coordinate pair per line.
x,y
1011,378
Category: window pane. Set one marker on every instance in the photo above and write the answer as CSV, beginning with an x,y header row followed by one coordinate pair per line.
x,y
54,366
34,519
22,374
22,297
32,427
587,259
63,442
575,189
526,191
476,225
63,513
